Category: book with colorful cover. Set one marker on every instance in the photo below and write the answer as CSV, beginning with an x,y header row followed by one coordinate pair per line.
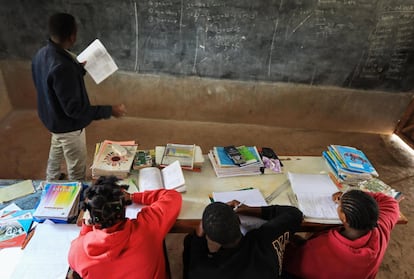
x,y
354,159
114,158
184,153
14,227
59,201
376,185
224,161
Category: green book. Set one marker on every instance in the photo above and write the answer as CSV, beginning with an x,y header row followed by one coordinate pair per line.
x,y
247,155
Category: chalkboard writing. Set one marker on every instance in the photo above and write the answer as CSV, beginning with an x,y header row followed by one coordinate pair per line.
x,y
367,44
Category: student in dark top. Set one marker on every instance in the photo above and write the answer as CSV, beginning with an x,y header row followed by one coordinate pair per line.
x,y
62,100
217,249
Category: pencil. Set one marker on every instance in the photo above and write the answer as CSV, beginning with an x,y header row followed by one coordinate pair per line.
x,y
27,239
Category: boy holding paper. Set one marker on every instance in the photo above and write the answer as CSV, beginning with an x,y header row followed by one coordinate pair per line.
x,y
62,100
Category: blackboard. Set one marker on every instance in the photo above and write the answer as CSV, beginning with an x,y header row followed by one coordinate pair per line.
x,y
365,44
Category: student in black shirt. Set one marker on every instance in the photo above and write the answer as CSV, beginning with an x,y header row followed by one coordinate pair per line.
x,y
218,249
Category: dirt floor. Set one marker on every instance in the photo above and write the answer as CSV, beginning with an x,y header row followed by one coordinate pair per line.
x,y
24,145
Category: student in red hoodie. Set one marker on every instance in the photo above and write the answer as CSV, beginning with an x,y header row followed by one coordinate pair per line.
x,y
354,250
113,246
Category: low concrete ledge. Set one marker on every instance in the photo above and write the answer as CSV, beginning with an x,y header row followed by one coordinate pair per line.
x,y
226,101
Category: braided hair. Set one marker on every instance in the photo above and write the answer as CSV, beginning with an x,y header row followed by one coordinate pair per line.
x,y
105,202
360,209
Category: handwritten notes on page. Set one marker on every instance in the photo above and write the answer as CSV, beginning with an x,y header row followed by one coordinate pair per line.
x,y
99,64
314,196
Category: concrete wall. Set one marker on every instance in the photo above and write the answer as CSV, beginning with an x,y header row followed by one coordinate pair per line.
x,y
209,100
5,105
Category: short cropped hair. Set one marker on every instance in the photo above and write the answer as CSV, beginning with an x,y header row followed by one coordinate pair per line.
x,y
220,223
360,209
62,26
105,202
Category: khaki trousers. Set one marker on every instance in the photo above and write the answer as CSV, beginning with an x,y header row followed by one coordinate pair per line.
x,y
70,146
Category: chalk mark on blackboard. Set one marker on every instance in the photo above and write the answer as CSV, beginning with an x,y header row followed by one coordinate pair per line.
x,y
181,16
271,47
136,37
300,24
195,55
313,75
356,70
280,6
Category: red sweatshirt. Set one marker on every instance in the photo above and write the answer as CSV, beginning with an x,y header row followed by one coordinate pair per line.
x,y
130,249
330,255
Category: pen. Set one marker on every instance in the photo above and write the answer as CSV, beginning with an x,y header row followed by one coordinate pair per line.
x,y
237,206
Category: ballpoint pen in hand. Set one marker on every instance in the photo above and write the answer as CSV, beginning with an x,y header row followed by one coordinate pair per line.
x,y
237,206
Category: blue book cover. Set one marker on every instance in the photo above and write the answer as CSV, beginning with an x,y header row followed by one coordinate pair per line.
x,y
225,161
355,159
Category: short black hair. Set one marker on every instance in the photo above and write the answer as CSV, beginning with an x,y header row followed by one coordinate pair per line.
x,y
105,201
360,209
62,26
220,223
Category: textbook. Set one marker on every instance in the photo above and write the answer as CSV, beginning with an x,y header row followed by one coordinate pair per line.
x,y
184,153
225,167
348,164
59,201
198,157
171,177
114,158
14,227
352,159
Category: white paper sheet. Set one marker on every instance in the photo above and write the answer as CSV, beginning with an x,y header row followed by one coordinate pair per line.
x,y
314,195
46,255
99,64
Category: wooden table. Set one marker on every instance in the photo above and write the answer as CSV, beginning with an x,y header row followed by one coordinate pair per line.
x,y
200,185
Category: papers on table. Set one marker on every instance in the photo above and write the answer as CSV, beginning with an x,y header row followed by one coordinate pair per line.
x,y
314,196
99,64
16,190
41,259
250,197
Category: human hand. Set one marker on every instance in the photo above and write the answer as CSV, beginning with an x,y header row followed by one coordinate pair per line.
x,y
336,197
237,206
118,110
87,218
199,230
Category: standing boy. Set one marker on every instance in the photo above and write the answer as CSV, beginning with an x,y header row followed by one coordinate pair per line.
x,y
62,100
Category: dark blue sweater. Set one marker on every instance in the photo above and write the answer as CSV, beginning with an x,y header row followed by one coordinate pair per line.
x,y
62,100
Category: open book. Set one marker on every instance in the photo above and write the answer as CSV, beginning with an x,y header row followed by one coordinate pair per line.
x,y
170,177
314,197
99,64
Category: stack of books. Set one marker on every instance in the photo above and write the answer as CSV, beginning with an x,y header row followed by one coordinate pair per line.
x,y
113,158
224,166
59,201
349,165
351,169
190,156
